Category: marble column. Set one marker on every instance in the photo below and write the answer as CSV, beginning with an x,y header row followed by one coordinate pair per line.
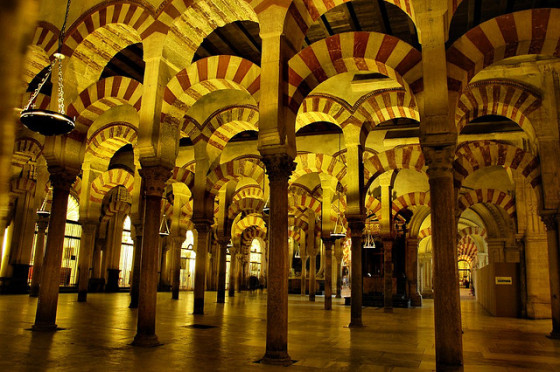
x,y
136,259
45,318
328,242
356,225
232,271
303,275
221,295
412,272
154,178
42,223
87,243
447,306
551,223
279,167
312,276
338,253
204,229
388,274
177,242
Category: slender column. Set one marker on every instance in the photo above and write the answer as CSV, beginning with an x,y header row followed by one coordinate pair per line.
x,y
155,178
87,243
165,264
136,259
356,225
328,242
338,256
240,272
551,223
388,274
303,275
232,271
279,167
221,295
312,276
204,228
42,223
176,277
412,271
447,307
45,317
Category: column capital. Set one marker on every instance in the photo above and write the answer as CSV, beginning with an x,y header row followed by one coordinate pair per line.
x,y
439,160
278,166
88,227
42,222
356,225
155,179
62,179
202,226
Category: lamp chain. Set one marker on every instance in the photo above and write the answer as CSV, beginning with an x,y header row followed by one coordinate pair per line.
x,y
60,88
39,87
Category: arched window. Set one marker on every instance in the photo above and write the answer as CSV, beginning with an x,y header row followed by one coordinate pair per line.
x,y
127,254
72,235
188,259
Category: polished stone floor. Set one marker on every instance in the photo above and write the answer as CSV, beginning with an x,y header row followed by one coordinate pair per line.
x,y
231,337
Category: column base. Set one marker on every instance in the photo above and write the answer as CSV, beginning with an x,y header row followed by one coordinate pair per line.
x,y
198,306
143,340
416,299
277,359
449,368
312,298
34,292
231,294
356,324
44,327
174,295
328,304
221,297
388,310
82,296
555,335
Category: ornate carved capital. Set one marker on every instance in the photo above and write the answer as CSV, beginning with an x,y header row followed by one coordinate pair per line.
x,y
88,228
279,166
550,221
155,179
439,160
203,226
62,180
42,223
356,225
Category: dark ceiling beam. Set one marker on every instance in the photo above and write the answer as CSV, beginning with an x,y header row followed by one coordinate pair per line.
x,y
351,14
377,11
470,15
385,16
477,12
326,26
218,32
210,47
509,8
251,40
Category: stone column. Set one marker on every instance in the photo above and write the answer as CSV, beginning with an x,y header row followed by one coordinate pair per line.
x,y
388,274
87,243
136,259
177,242
154,178
338,253
279,167
45,317
165,264
328,242
356,224
240,275
412,271
551,223
232,271
42,223
312,276
221,295
447,306
303,275
204,229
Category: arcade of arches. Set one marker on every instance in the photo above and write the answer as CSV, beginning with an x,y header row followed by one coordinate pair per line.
x,y
219,144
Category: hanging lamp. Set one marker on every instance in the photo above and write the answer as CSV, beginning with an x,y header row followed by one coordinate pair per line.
x,y
163,227
47,122
369,242
43,212
338,232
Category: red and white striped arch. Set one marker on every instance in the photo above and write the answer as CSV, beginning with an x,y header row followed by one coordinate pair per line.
x,y
424,233
303,13
248,191
246,205
224,124
251,234
245,223
306,201
101,97
184,174
531,31
413,199
323,107
513,100
467,250
353,52
318,163
373,205
250,167
105,181
26,149
490,196
382,105
110,138
116,206
402,157
208,75
471,156
190,22
472,230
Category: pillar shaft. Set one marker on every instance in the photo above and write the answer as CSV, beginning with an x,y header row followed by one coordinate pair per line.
x,y
221,295
447,307
203,242
154,178
312,277
356,227
388,275
136,260
45,317
279,168
232,271
328,273
551,223
87,243
42,223
176,270
303,275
